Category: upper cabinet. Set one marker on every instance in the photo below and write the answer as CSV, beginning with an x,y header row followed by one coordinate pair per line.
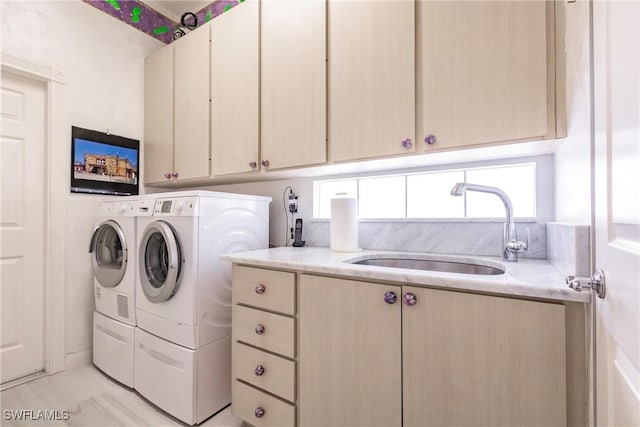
x,y
278,84
235,90
485,72
158,115
176,114
371,78
293,83
191,147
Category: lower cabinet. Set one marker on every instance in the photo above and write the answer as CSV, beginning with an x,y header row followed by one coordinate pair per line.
x,y
350,361
373,354
353,353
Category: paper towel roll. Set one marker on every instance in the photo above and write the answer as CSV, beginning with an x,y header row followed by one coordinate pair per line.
x,y
344,224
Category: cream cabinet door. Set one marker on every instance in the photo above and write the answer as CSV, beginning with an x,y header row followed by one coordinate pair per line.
x,y
235,90
349,361
191,136
482,72
293,83
371,78
482,360
158,115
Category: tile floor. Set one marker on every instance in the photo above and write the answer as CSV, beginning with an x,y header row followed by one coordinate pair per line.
x,y
92,399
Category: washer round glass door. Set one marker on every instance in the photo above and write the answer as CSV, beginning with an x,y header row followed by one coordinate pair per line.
x,y
109,249
160,262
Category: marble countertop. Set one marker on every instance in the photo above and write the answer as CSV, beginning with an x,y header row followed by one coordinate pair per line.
x,y
527,277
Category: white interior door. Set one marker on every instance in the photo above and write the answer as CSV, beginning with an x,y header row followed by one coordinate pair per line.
x,y
22,169
617,208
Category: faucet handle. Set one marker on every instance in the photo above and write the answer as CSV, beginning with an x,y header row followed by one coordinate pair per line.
x,y
518,246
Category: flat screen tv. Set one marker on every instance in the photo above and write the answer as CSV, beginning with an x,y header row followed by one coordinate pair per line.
x,y
103,163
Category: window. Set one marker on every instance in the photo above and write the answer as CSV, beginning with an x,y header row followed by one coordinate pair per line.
x,y
426,195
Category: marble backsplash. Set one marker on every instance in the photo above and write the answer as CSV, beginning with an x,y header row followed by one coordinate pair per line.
x,y
568,248
464,238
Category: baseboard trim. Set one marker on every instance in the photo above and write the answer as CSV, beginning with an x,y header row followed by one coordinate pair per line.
x,y
76,360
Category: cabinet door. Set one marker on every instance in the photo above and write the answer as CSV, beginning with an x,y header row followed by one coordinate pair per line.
x,y
482,71
234,90
371,78
349,371
158,115
191,138
482,360
293,82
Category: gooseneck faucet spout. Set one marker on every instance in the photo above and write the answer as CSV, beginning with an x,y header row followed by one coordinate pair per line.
x,y
511,246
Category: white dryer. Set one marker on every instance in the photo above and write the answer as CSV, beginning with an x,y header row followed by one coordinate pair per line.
x,y
183,297
113,252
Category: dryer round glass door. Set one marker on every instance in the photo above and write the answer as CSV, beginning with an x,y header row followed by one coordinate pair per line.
x,y
109,254
160,262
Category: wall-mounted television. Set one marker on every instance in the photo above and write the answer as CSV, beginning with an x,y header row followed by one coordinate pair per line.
x,y
103,163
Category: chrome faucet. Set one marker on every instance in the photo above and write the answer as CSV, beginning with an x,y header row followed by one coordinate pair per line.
x,y
511,246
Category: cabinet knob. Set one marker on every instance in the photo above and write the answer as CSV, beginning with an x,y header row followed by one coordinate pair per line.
x,y
253,165
410,299
406,143
390,297
259,412
260,329
174,174
259,370
167,175
265,163
260,288
430,139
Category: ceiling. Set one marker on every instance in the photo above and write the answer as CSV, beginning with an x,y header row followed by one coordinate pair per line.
x,y
175,8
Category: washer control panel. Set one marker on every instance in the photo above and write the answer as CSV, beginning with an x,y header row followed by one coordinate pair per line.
x,y
180,206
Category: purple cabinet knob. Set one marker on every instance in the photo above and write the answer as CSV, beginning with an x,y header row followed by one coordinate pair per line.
x,y
253,165
259,412
259,370
265,163
406,143
430,139
390,297
260,288
167,175
410,299
174,174
260,329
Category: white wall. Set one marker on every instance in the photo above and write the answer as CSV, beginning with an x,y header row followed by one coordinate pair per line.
x,y
572,155
102,60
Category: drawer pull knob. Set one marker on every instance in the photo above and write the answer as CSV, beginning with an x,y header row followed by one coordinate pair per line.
x,y
430,139
260,329
253,165
259,412
390,297
410,299
174,174
259,370
167,175
260,289
406,143
265,163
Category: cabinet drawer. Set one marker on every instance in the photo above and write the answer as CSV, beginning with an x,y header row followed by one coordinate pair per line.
x,y
278,331
268,289
264,370
246,400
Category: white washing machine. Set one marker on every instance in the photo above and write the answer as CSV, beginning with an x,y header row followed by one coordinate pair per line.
x,y
183,297
113,252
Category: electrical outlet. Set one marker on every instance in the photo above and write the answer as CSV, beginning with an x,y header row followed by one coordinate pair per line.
x,y
293,202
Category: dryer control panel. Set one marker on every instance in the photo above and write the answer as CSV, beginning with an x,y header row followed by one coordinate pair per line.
x,y
180,206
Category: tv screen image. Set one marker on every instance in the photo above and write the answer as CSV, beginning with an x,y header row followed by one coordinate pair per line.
x,y
104,163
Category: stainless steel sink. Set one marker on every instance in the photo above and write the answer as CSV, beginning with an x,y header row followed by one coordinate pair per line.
x,y
448,266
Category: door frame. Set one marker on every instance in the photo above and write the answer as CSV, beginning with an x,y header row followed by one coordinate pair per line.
x,y
55,191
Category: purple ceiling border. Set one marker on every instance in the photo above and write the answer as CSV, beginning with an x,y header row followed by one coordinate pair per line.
x,y
214,9
139,16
